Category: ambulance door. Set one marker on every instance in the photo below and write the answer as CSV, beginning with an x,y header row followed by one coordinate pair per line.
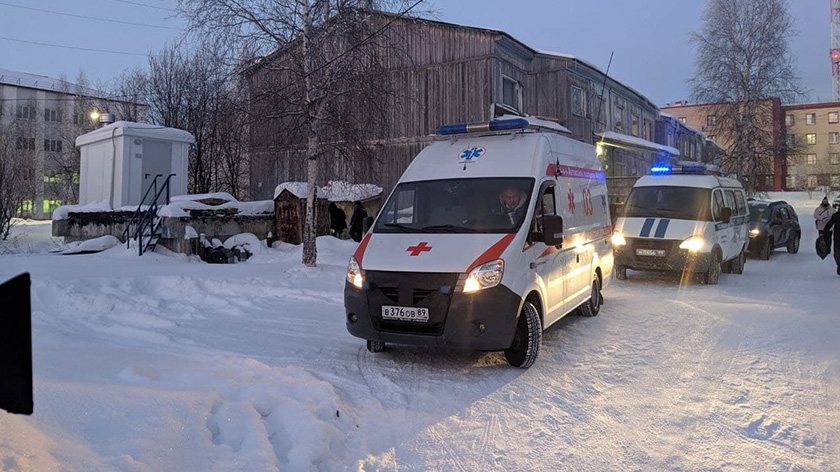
x,y
722,230
544,259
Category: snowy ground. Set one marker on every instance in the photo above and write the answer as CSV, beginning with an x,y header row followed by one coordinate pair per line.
x,y
164,363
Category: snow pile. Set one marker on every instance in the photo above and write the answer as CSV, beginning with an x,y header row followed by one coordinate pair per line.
x,y
203,196
334,191
63,212
246,241
29,237
91,245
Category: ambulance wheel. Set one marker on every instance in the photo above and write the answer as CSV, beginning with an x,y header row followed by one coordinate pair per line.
x,y
738,264
766,249
620,272
592,306
793,246
375,346
526,341
711,276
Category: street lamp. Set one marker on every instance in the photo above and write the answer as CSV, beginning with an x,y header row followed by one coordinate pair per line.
x,y
94,115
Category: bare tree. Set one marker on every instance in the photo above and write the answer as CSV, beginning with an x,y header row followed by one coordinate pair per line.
x,y
743,62
17,174
319,54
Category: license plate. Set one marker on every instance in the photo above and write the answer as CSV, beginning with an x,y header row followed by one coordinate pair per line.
x,y
403,313
650,252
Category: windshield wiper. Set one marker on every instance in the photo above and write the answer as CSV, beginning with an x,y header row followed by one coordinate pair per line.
x,y
451,228
404,228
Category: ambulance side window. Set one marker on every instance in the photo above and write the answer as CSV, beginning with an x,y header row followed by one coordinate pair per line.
x,y
717,204
740,203
730,201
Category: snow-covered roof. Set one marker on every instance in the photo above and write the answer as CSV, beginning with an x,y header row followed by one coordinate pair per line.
x,y
334,191
140,130
42,82
204,196
637,142
182,207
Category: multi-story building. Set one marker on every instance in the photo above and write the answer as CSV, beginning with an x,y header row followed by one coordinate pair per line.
x,y
693,145
447,73
42,117
813,137
707,118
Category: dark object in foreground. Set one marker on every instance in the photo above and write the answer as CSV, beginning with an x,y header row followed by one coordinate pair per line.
x,y
823,248
16,346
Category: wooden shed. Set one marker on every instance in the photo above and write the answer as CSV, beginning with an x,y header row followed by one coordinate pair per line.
x,y
290,210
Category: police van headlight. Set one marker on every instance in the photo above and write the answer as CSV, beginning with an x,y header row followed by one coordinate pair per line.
x,y
693,244
618,239
754,232
485,276
354,273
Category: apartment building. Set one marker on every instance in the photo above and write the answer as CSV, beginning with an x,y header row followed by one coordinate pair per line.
x,y
813,137
43,116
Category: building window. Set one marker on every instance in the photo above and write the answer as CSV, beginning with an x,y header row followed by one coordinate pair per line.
x,y
833,117
618,116
682,118
791,140
711,120
768,180
52,177
835,181
512,93
52,115
25,144
789,121
834,158
52,145
811,138
791,181
634,123
811,119
834,137
578,101
50,205
602,110
812,181
648,130
25,112
812,159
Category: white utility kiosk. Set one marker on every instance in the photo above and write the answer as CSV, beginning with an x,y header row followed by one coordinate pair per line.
x,y
120,161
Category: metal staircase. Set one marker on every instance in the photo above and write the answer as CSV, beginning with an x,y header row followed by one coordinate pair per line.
x,y
147,223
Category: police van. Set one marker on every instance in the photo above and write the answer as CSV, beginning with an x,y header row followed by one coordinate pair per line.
x,y
688,219
489,237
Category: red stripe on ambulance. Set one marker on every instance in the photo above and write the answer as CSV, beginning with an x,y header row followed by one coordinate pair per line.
x,y
360,251
493,253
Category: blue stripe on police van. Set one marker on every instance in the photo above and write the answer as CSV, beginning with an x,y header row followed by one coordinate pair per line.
x,y
661,228
647,227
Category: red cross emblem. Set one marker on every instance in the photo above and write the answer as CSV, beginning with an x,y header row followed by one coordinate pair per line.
x,y
416,250
571,200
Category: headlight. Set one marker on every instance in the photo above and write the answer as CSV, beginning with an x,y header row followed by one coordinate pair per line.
x,y
693,244
618,239
485,276
754,232
354,273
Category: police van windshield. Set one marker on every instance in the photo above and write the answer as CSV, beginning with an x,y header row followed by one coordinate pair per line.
x,y
682,203
483,205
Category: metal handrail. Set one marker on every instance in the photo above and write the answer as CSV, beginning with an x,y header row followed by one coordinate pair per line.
x,y
134,215
147,220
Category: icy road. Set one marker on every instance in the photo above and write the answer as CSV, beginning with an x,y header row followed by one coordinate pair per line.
x,y
164,364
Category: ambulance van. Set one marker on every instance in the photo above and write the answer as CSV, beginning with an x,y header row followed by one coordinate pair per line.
x,y
688,219
490,236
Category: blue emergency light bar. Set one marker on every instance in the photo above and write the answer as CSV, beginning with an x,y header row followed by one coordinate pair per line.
x,y
659,170
495,125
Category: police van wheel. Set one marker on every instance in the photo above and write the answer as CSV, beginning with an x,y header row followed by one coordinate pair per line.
x,y
523,351
727,267
710,277
592,306
375,346
621,272
738,263
793,246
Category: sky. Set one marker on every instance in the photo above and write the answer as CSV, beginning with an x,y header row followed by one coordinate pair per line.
x,y
649,38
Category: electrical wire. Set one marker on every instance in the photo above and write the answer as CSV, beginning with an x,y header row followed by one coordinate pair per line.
x,y
144,5
72,47
85,17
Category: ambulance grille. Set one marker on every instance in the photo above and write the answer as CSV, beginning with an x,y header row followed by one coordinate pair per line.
x,y
420,294
391,292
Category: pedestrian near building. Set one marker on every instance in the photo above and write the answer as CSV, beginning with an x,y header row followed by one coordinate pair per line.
x,y
834,223
338,221
357,221
822,214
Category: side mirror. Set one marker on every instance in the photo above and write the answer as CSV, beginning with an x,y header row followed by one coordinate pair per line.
x,y
367,222
16,346
553,230
726,214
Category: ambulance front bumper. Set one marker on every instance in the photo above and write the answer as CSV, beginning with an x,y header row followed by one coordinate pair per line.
x,y
638,254
484,320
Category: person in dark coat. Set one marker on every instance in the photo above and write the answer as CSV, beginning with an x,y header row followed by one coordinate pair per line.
x,y
338,220
834,223
357,221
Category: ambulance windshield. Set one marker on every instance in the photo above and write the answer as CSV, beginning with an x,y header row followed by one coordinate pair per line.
x,y
481,205
682,203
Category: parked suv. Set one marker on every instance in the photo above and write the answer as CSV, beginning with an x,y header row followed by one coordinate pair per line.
x,y
772,225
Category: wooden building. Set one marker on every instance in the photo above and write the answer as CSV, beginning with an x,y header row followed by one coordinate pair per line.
x,y
448,73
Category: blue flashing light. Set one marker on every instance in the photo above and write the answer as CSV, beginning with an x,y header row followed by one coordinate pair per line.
x,y
660,170
495,125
